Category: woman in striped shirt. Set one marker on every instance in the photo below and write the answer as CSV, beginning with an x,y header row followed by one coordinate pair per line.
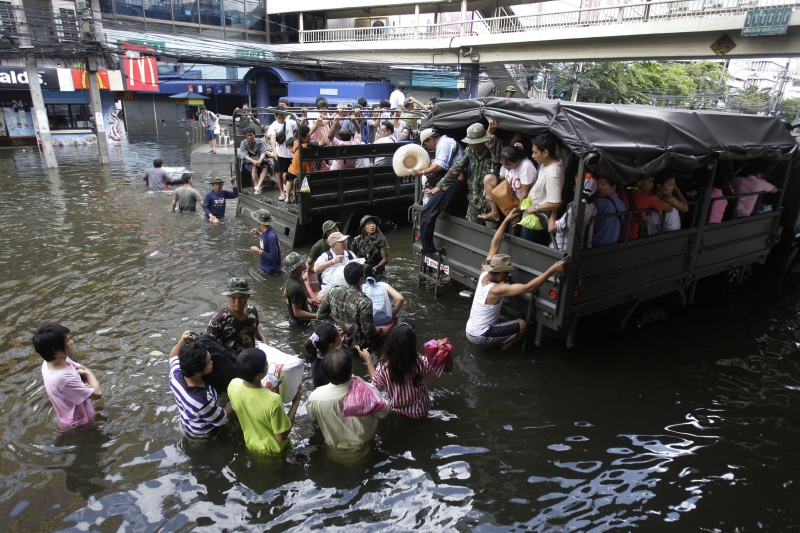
x,y
201,415
401,372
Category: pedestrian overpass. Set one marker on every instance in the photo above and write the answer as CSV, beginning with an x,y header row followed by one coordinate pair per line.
x,y
658,30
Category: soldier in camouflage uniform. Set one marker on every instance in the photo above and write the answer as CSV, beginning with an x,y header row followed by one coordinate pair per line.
x,y
371,244
348,304
483,157
237,325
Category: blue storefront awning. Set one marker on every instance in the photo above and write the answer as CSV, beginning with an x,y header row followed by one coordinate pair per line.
x,y
221,87
338,92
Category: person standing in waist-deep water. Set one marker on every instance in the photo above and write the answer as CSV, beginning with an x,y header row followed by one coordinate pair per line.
x,y
371,244
328,228
264,423
186,197
237,325
210,121
326,337
69,386
401,372
269,247
157,178
298,302
215,200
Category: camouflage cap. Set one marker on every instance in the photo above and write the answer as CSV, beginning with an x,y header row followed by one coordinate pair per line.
x,y
292,261
476,134
238,286
366,218
329,225
511,89
216,180
262,216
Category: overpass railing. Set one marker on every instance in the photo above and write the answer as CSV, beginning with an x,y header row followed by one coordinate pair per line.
x,y
629,13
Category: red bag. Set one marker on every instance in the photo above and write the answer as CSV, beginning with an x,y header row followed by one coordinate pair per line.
x,y
361,399
435,355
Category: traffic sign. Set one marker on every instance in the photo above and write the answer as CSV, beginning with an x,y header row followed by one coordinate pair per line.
x,y
767,21
723,45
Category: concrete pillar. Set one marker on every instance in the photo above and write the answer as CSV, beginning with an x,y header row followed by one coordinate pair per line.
x,y
471,74
416,29
463,17
40,113
262,95
300,27
97,111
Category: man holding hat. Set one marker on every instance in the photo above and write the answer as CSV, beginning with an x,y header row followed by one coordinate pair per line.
x,y
371,244
269,248
297,301
483,157
321,245
215,199
482,326
237,324
510,90
337,254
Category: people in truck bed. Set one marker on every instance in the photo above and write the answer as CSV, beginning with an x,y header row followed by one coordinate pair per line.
x,y
607,230
545,194
520,173
641,197
562,225
753,182
666,189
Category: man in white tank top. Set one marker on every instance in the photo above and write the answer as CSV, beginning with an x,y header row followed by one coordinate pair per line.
x,y
482,326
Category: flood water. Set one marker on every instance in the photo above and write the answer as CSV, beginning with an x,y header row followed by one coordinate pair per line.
x,y
691,424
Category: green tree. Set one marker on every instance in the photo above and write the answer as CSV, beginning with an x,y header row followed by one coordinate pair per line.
x,y
789,108
751,100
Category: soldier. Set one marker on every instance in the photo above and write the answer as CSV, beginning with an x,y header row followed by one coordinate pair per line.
x,y
297,299
371,244
321,245
483,157
349,305
237,324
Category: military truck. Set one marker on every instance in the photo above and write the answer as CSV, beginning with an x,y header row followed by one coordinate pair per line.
x,y
341,195
624,143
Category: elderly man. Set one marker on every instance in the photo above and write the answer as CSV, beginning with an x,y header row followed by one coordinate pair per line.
x,y
510,90
482,327
210,121
328,227
326,403
397,99
348,304
252,153
237,324
215,200
338,254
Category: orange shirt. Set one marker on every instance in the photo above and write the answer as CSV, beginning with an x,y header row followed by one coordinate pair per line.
x,y
294,168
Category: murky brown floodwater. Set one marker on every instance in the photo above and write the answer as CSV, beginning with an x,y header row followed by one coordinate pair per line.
x,y
688,425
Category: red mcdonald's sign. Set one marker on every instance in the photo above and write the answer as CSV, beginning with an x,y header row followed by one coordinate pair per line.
x,y
141,74
81,79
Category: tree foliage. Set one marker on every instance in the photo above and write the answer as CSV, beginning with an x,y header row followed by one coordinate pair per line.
x,y
789,108
752,100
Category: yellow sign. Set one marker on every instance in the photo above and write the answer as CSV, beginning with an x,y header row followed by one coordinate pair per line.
x,y
195,101
723,45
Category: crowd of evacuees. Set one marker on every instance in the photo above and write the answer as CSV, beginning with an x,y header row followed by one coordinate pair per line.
x,y
339,291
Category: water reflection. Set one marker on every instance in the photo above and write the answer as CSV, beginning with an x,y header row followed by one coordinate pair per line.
x,y
619,433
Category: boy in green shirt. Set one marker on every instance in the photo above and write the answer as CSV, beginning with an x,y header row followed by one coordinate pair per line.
x,y
266,427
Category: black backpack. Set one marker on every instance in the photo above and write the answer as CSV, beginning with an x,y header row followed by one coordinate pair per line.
x,y
224,358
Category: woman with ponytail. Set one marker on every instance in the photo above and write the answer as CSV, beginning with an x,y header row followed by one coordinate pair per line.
x,y
325,338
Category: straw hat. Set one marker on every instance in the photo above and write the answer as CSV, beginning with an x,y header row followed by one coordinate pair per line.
x,y
409,158
499,263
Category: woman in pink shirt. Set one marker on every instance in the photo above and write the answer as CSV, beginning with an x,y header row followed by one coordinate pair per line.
x,y
754,183
69,385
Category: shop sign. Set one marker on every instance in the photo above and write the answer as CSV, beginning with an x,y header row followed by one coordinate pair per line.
x,y
19,123
227,89
246,53
80,79
329,92
17,78
767,21
157,46
141,74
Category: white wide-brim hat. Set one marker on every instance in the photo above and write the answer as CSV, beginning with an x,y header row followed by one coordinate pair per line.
x,y
409,158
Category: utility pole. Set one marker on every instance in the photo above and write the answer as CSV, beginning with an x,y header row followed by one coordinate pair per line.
x,y
577,83
784,77
39,111
91,29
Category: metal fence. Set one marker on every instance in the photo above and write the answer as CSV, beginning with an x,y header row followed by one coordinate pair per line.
x,y
628,13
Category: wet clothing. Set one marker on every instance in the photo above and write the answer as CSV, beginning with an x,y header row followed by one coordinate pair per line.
x,y
201,415
270,259
186,198
230,331
260,412
157,179
70,395
482,316
349,305
296,293
317,375
487,162
214,204
410,398
325,405
370,248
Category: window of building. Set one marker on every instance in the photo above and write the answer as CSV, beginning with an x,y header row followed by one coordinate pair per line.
x,y
68,116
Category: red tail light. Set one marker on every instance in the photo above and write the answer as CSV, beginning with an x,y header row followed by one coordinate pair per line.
x,y
553,294
576,293
416,236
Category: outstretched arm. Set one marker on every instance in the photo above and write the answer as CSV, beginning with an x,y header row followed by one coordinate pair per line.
x,y
498,235
504,290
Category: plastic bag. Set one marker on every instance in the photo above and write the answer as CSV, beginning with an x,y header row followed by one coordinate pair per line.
x,y
361,399
434,354
529,221
304,186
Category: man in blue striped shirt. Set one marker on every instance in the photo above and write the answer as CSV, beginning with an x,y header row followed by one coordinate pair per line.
x,y
201,415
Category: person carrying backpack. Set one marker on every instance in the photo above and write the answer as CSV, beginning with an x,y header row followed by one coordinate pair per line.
x,y
381,294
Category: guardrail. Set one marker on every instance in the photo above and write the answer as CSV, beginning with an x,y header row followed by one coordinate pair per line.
x,y
599,16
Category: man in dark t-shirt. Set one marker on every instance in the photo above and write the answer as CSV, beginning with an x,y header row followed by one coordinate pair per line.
x,y
321,246
157,178
298,302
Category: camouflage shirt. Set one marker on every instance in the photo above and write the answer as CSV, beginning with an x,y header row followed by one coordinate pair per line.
x,y
231,331
487,162
370,248
349,305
